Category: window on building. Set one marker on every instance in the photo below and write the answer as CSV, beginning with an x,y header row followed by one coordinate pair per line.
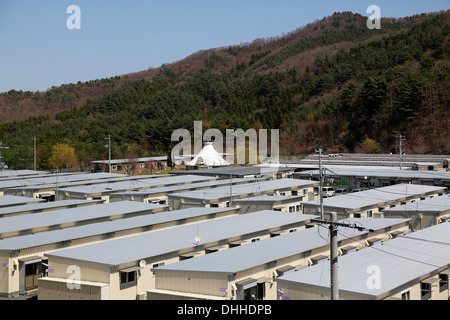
x,y
443,282
292,209
141,165
297,208
282,193
406,295
255,239
156,265
425,290
119,168
356,215
256,292
114,167
127,277
214,205
369,214
295,193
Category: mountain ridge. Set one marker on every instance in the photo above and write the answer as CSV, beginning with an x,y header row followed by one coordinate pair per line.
x,y
18,105
333,84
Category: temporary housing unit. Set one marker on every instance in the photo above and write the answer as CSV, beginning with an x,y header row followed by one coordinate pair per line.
x,y
159,195
48,191
407,161
4,174
224,196
274,172
22,260
423,214
120,269
410,267
371,202
45,206
68,218
131,165
373,178
13,201
250,272
265,202
55,178
102,191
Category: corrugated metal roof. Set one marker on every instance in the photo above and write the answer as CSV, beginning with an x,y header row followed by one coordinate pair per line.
x,y
237,171
46,205
400,260
266,198
138,184
87,182
374,196
43,238
190,186
16,173
258,253
60,178
353,171
8,200
119,251
56,217
135,160
263,186
436,204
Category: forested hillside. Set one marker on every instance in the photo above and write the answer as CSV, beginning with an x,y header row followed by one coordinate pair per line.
x,y
333,84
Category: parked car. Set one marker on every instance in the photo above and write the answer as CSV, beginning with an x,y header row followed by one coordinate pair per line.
x,y
340,191
327,192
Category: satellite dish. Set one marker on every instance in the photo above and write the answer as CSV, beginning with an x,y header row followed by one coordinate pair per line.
x,y
142,263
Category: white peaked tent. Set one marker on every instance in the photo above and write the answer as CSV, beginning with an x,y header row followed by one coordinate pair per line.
x,y
208,157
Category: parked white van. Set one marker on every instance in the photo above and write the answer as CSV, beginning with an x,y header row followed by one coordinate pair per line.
x,y
327,192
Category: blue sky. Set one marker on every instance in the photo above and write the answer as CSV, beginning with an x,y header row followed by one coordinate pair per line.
x,y
38,51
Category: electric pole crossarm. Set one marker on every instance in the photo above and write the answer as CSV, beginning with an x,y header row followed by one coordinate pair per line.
x,y
340,224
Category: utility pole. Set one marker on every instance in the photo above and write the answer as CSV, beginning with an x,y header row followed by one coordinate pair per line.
x,y
34,161
231,194
334,258
109,146
57,190
320,183
334,269
401,138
